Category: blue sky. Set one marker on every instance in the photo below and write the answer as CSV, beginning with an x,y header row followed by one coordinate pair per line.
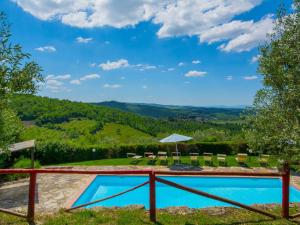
x,y
196,52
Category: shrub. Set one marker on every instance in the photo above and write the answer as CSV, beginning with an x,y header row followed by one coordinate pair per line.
x,y
21,163
58,152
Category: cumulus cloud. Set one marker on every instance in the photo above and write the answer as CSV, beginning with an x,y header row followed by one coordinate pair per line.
x,y
181,64
121,63
46,49
256,35
83,40
196,61
210,20
113,86
250,77
56,83
195,73
255,58
90,77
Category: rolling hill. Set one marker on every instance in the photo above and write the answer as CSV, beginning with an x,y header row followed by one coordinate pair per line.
x,y
176,112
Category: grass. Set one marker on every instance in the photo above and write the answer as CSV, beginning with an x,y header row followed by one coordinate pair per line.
x,y
252,162
125,216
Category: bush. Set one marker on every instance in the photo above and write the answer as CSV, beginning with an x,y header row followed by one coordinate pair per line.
x,y
21,163
57,152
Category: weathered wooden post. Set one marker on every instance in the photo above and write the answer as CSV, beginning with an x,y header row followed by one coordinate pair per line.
x,y
152,197
285,190
31,197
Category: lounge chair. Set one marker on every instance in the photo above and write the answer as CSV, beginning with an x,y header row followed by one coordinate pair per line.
x,y
207,158
134,156
221,158
241,158
194,158
176,156
162,156
264,159
150,156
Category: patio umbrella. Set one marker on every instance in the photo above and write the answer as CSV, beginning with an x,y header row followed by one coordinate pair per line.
x,y
175,138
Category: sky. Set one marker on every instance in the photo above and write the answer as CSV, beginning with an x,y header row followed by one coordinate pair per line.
x,y
174,52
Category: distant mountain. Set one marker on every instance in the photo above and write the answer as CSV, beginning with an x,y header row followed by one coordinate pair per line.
x,y
176,112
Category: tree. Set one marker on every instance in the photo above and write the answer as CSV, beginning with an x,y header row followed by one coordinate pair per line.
x,y
274,123
17,75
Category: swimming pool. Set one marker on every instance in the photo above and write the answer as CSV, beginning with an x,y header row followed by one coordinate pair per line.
x,y
244,190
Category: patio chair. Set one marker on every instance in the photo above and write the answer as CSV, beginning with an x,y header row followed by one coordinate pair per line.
x,y
241,158
150,156
176,156
264,159
208,158
221,158
134,156
162,156
194,158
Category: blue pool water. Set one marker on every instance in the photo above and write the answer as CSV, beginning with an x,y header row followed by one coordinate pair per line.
x,y
245,190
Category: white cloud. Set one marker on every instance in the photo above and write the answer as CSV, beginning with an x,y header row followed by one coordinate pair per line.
x,y
210,20
77,82
196,61
255,58
250,77
171,69
46,49
93,64
253,37
181,64
121,63
144,86
56,84
194,73
83,40
229,77
112,86
122,78
90,77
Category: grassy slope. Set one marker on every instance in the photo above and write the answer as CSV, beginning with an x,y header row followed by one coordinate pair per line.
x,y
81,131
140,217
252,162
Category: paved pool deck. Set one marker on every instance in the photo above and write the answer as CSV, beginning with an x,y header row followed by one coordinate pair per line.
x,y
56,191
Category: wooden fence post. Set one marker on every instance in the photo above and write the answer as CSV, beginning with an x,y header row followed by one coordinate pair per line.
x,y
31,197
152,197
285,191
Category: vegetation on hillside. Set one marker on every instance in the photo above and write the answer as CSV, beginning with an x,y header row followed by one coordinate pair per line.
x,y
177,112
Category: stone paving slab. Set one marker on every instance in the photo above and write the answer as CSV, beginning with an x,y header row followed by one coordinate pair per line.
x,y
56,191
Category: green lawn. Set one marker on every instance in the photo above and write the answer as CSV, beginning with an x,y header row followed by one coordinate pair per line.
x,y
140,217
252,162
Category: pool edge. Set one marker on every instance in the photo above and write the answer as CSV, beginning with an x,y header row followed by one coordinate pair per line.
x,y
81,190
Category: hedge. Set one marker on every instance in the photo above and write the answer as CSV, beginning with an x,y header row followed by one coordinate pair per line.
x,y
58,152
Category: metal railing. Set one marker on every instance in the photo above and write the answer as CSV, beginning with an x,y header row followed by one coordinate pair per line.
x,y
284,175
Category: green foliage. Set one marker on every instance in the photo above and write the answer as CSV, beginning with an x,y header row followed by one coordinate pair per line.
x,y
176,112
17,75
46,112
11,127
60,152
274,122
20,163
